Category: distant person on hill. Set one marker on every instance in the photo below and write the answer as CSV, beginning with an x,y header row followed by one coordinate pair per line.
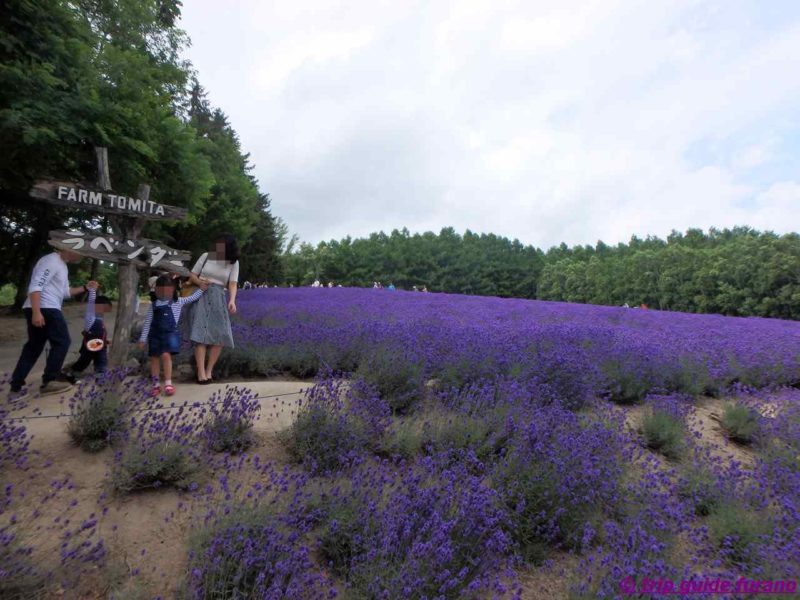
x,y
391,287
424,288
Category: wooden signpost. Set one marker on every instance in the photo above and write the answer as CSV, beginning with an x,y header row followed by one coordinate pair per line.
x,y
73,195
127,216
143,253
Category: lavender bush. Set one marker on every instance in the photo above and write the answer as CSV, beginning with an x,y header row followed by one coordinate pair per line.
x,y
98,409
561,474
397,377
171,445
336,425
253,553
425,531
663,424
229,427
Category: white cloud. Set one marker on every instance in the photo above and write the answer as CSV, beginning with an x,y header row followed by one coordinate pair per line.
x,y
780,201
544,121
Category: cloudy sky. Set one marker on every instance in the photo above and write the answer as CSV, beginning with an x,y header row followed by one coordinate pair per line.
x,y
541,120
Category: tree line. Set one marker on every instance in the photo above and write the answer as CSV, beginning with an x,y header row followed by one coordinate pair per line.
x,y
737,271
85,73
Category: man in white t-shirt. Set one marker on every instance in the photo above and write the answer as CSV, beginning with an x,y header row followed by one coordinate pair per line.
x,y
48,288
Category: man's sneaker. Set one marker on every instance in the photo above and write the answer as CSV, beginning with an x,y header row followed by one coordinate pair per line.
x,y
54,387
19,394
69,376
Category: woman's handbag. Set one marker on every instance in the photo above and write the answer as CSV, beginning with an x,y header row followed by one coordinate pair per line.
x,y
189,288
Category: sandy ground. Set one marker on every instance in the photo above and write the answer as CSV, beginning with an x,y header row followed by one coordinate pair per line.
x,y
703,419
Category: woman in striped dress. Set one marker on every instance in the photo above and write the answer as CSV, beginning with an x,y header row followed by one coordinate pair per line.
x,y
215,271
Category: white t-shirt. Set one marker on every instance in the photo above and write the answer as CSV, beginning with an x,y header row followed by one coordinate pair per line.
x,y
216,271
51,278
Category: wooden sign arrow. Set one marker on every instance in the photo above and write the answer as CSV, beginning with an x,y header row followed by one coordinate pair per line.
x,y
142,253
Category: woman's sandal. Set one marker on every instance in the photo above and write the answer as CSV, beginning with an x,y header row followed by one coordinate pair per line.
x,y
156,391
169,390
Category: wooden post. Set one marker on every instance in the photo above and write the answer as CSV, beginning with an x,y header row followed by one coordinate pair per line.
x,y
103,178
104,183
128,280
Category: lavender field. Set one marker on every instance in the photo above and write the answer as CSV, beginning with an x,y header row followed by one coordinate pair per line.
x,y
448,447
570,352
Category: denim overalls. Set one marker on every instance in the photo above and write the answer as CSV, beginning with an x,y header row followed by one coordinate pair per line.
x,y
164,336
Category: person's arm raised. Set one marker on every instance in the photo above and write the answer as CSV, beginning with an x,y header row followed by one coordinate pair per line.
x,y
193,297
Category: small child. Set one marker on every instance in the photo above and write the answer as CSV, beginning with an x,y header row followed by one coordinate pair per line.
x,y
160,330
94,329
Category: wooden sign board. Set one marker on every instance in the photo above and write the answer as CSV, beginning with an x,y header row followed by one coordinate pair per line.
x,y
80,196
143,253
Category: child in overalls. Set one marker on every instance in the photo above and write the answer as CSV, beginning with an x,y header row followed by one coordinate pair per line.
x,y
94,329
160,331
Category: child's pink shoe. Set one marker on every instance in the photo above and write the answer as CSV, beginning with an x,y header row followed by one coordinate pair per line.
x,y
156,391
169,390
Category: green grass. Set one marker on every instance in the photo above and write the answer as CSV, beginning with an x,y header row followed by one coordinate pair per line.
x,y
737,531
7,294
94,425
232,434
664,433
698,486
740,423
436,430
398,379
164,464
